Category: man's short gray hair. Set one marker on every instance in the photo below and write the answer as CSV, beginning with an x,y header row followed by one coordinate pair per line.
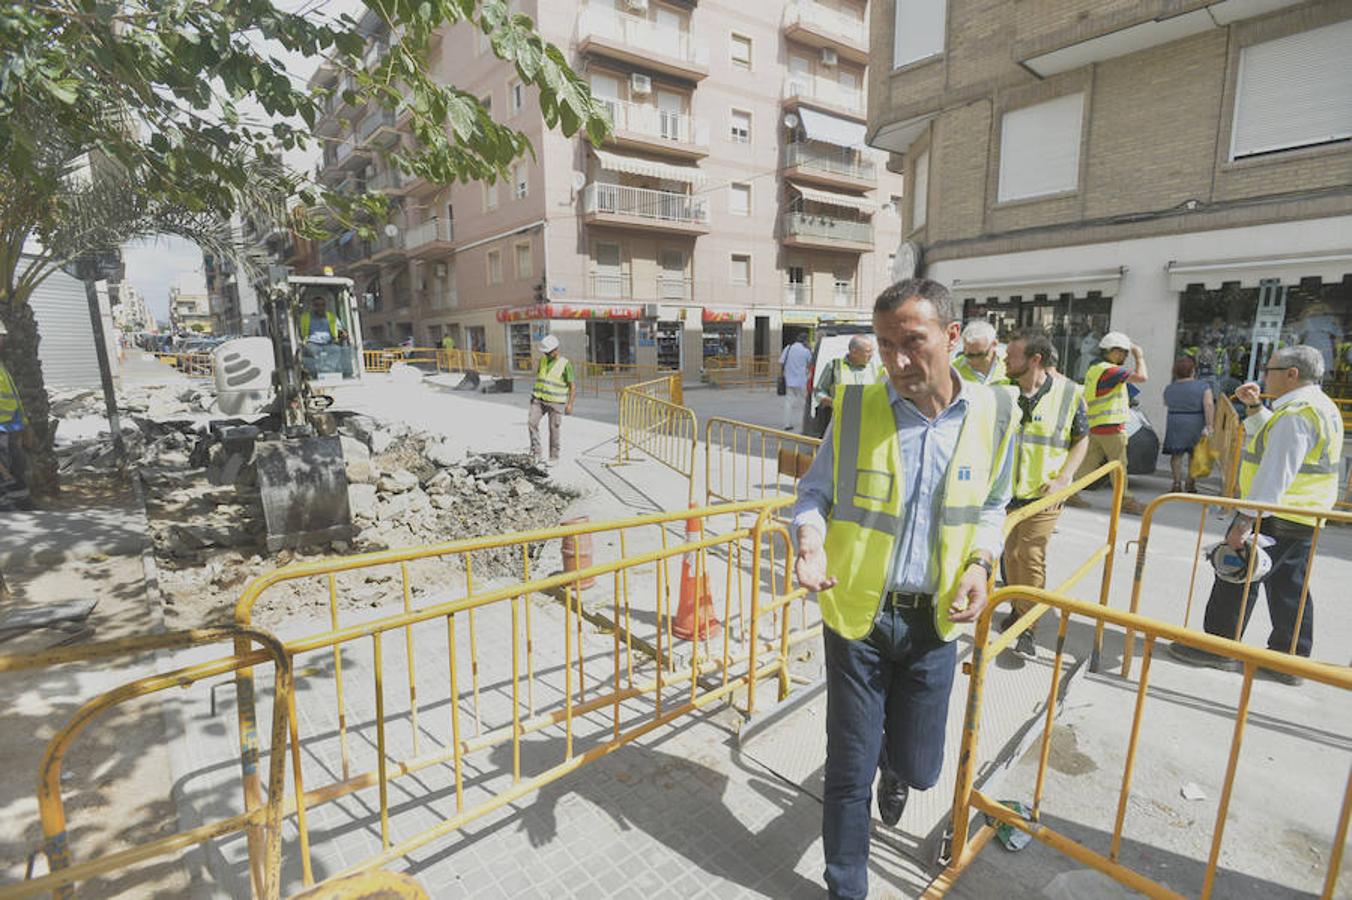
x,y
1306,360
861,342
920,288
978,331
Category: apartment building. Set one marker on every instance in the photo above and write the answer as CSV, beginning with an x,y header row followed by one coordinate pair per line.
x,y
1176,169
190,311
735,204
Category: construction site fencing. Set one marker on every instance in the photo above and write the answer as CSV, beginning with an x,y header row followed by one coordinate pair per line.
x,y
194,365
756,372
658,427
1220,510
262,823
601,378
970,804
751,462
503,727
471,361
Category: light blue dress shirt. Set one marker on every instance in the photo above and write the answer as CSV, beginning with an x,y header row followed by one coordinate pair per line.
x,y
927,446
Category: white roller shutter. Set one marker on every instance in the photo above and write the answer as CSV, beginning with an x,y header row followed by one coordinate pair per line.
x,y
1040,149
1295,91
919,31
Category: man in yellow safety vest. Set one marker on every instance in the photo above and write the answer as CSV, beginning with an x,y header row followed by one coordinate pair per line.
x,y
980,359
857,366
15,439
1105,395
553,395
1051,441
1292,458
898,524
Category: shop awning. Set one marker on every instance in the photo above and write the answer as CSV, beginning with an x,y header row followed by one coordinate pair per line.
x,y
567,311
831,198
1329,266
722,315
1104,281
635,165
818,126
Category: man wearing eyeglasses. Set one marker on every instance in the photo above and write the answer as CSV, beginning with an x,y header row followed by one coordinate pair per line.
x,y
1292,458
980,361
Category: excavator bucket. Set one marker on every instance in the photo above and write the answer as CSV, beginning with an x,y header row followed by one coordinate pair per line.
x,y
303,483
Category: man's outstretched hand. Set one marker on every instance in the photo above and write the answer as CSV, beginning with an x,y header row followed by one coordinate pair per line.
x,y
810,566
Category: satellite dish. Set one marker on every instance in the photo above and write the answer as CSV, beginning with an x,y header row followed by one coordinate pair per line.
x,y
391,230
579,181
790,120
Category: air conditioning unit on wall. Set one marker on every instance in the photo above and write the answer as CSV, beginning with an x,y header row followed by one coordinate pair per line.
x,y
640,84
829,57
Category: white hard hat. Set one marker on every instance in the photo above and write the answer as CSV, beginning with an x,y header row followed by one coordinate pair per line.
x,y
1233,565
1115,340
549,343
3,330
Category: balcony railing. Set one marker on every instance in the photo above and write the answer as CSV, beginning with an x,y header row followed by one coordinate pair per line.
x,y
674,287
645,203
381,118
611,286
797,294
797,224
843,295
653,122
826,158
434,229
640,34
389,180
823,90
820,18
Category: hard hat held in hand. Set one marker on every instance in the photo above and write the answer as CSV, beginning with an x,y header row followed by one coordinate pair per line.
x,y
549,343
1115,340
1233,565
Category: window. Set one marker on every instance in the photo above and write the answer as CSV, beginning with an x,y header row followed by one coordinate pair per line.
x,y
523,261
516,96
920,191
520,184
739,199
741,51
490,195
608,277
919,31
1040,149
740,129
494,267
740,269
1293,92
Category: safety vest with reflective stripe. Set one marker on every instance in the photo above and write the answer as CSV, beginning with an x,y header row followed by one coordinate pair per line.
x,y
549,384
1110,409
1043,443
845,373
867,509
1316,483
11,407
305,325
967,373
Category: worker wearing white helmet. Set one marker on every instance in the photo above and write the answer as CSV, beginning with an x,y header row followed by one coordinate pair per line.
x,y
1105,395
553,395
15,438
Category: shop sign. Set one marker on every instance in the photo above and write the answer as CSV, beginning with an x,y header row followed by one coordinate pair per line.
x,y
716,315
564,311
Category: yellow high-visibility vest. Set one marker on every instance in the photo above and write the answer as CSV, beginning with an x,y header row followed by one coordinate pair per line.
x,y
866,513
9,398
550,385
1110,409
1043,443
868,373
305,325
1316,483
967,373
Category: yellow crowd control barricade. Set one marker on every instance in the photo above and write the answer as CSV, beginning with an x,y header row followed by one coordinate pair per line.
x,y
1203,505
751,462
660,428
969,802
756,372
262,822
194,365
600,378
523,696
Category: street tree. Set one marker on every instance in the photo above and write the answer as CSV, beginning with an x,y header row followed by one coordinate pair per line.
x,y
160,97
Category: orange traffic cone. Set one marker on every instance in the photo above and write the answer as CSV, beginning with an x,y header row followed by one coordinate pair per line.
x,y
684,627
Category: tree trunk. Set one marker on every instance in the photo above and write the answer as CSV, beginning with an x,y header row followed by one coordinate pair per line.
x,y
20,356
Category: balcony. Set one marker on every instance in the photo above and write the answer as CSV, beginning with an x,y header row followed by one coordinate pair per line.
x,y
616,286
829,165
640,127
825,94
390,181
377,129
811,23
640,42
797,294
798,229
431,238
380,250
611,286
617,204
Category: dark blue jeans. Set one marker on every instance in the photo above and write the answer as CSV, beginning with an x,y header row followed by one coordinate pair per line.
x,y
1289,555
886,701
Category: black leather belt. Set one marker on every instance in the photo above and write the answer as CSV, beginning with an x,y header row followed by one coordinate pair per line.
x,y
908,600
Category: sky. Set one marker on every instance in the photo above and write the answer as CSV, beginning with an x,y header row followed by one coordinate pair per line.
x,y
157,265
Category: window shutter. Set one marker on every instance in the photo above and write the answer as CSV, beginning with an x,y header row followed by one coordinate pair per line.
x,y
1040,149
1295,91
920,191
919,31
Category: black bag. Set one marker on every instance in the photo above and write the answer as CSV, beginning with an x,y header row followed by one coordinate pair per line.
x,y
780,387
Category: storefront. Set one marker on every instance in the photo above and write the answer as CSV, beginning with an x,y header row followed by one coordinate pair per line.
x,y
722,337
608,331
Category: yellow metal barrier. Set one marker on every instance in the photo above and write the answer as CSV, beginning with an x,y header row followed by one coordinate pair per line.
x,y
633,694
262,822
1204,504
471,360
968,801
194,365
750,462
757,372
597,378
664,430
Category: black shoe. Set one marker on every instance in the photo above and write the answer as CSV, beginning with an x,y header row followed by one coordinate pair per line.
x,y
1024,646
1279,677
892,796
1008,621
1194,657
